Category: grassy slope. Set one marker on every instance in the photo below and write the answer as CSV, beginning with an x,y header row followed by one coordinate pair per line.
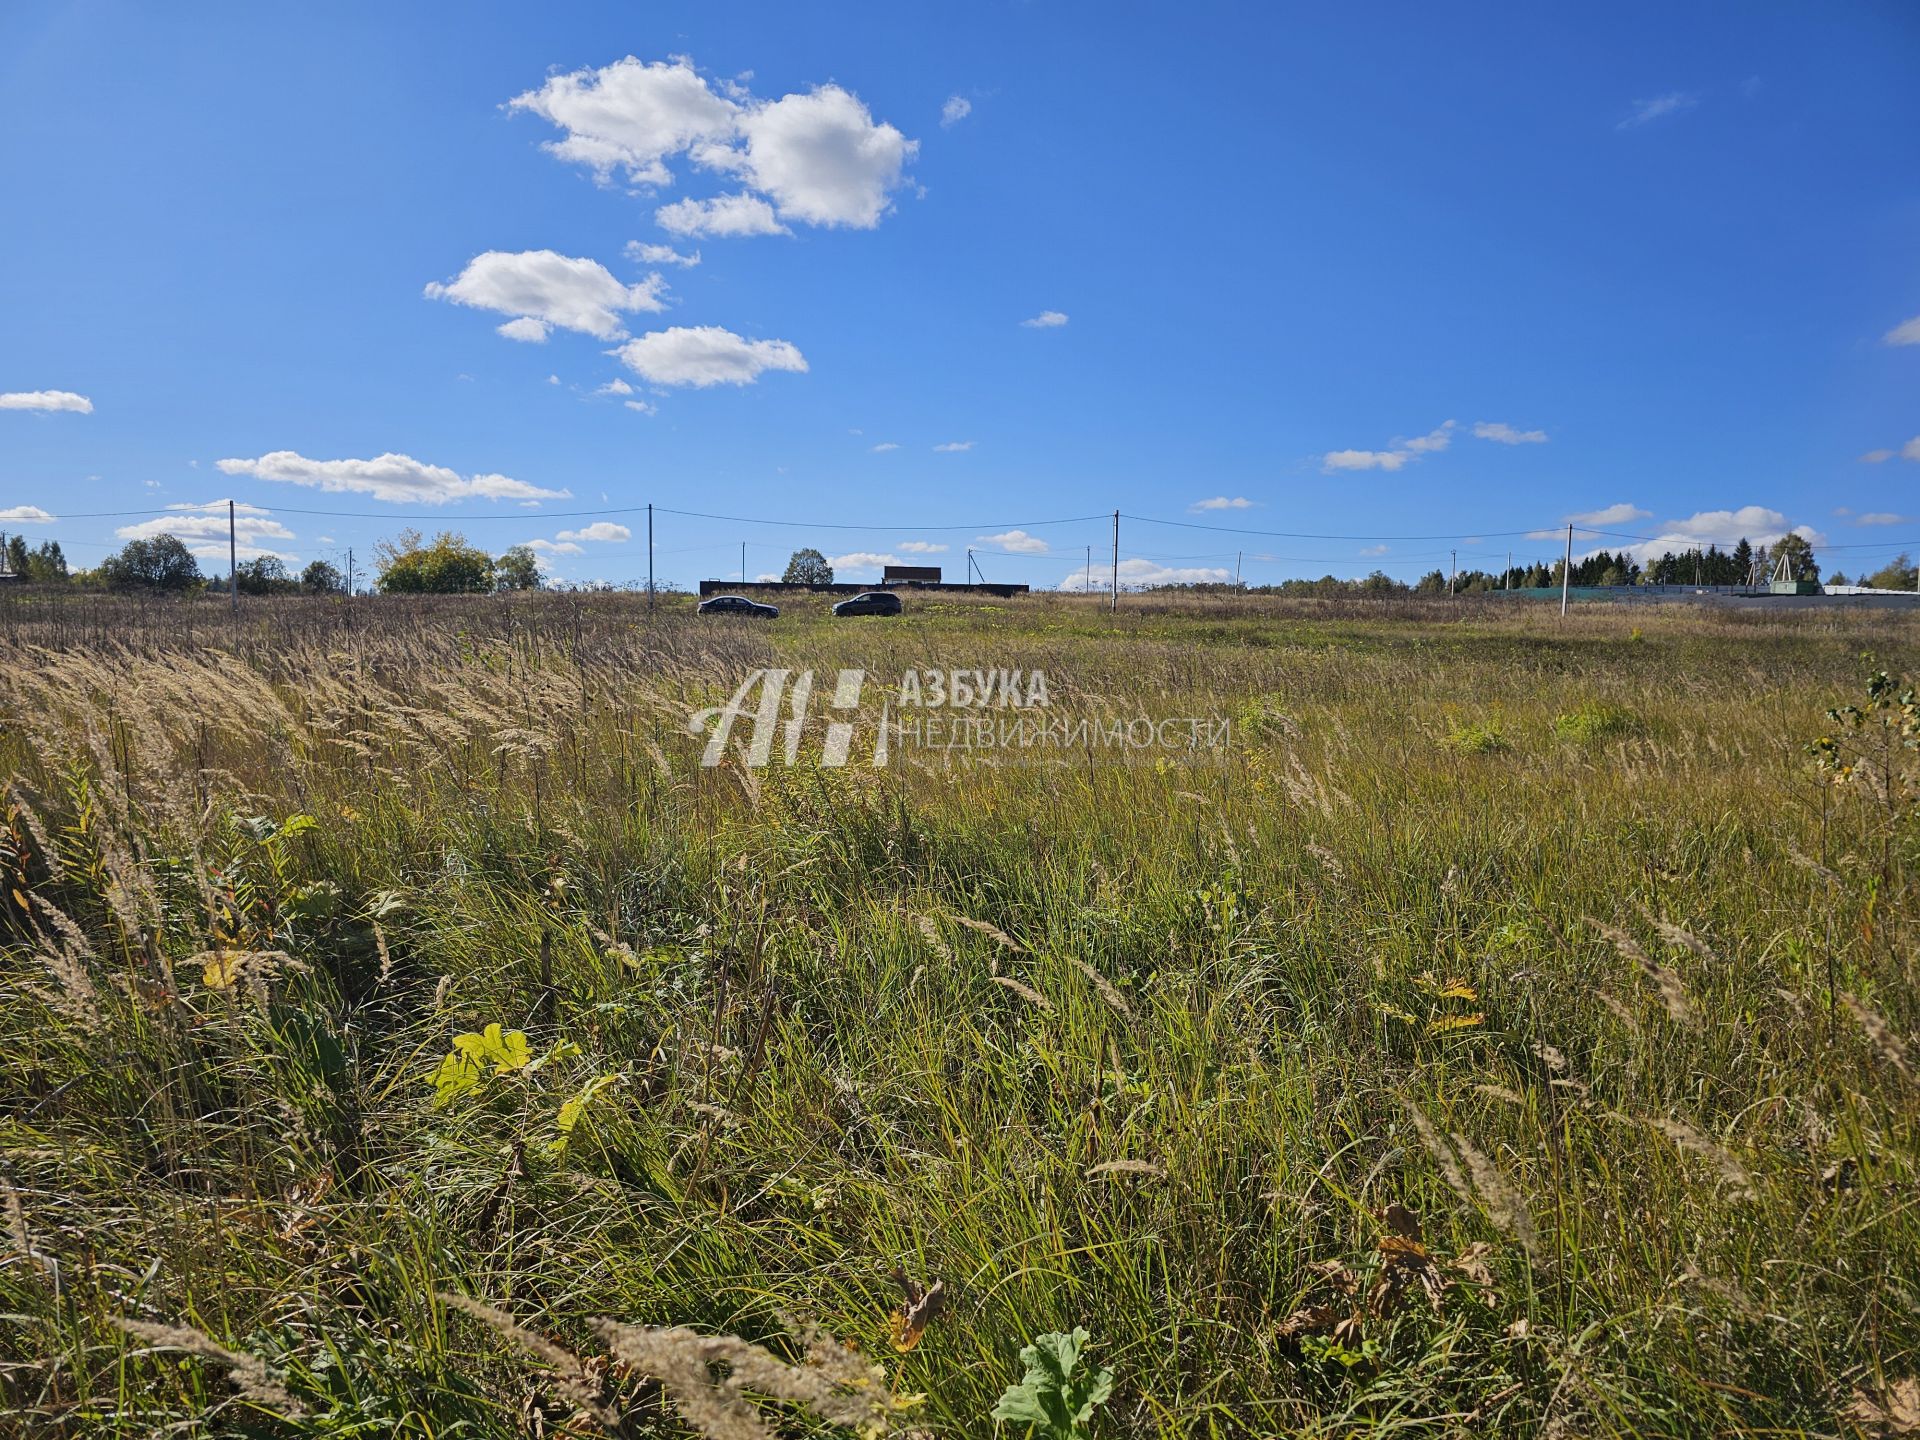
x,y
1235,977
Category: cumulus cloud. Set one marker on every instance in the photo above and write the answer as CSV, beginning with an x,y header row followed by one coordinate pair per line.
x,y
1222,502
630,116
1725,528
1015,542
203,530
48,400
553,547
957,108
1505,434
921,547
615,386
953,447
660,255
1138,574
706,355
26,515
399,479
1394,458
741,214
884,446
642,407
861,560
1907,332
544,289
819,157
603,531
1620,514
1659,107
1046,320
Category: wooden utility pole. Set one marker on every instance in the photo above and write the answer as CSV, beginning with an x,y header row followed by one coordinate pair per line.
x,y
1453,568
1566,574
1506,579
233,563
1115,605
649,557
743,562
349,572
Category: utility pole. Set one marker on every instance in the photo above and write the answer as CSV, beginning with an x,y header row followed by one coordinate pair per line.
x,y
1506,580
649,558
1566,574
1089,569
349,572
743,562
1453,568
1115,605
233,563
1238,556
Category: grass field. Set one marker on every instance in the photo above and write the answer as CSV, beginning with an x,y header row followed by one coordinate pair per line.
x,y
1506,1033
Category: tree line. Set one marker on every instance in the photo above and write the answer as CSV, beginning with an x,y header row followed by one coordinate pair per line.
x,y
405,565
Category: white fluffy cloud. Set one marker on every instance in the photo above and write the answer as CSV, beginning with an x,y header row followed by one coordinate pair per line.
x,y
46,400
706,355
1725,528
544,288
1137,574
1046,320
953,447
820,157
26,515
1505,434
861,560
203,530
396,478
660,255
921,547
615,386
1016,542
884,446
1621,514
1907,332
741,214
630,116
957,108
553,547
603,531
1659,107
1401,452
1222,502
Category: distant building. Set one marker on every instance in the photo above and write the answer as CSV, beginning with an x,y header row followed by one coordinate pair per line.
x,y
910,575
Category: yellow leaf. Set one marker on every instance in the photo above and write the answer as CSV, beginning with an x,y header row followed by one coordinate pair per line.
x,y
1441,1023
222,968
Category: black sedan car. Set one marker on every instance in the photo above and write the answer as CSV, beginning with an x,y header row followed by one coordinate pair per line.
x,y
870,602
739,605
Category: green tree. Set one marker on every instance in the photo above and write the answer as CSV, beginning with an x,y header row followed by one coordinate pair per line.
x,y
161,562
322,578
1797,554
517,570
808,567
263,575
1899,575
448,566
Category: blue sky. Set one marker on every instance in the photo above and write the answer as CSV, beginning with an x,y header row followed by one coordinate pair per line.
x,y
1360,271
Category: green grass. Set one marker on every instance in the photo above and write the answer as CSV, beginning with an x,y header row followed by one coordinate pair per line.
x,y
1535,930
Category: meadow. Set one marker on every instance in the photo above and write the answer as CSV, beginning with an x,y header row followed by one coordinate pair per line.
x,y
1511,1030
